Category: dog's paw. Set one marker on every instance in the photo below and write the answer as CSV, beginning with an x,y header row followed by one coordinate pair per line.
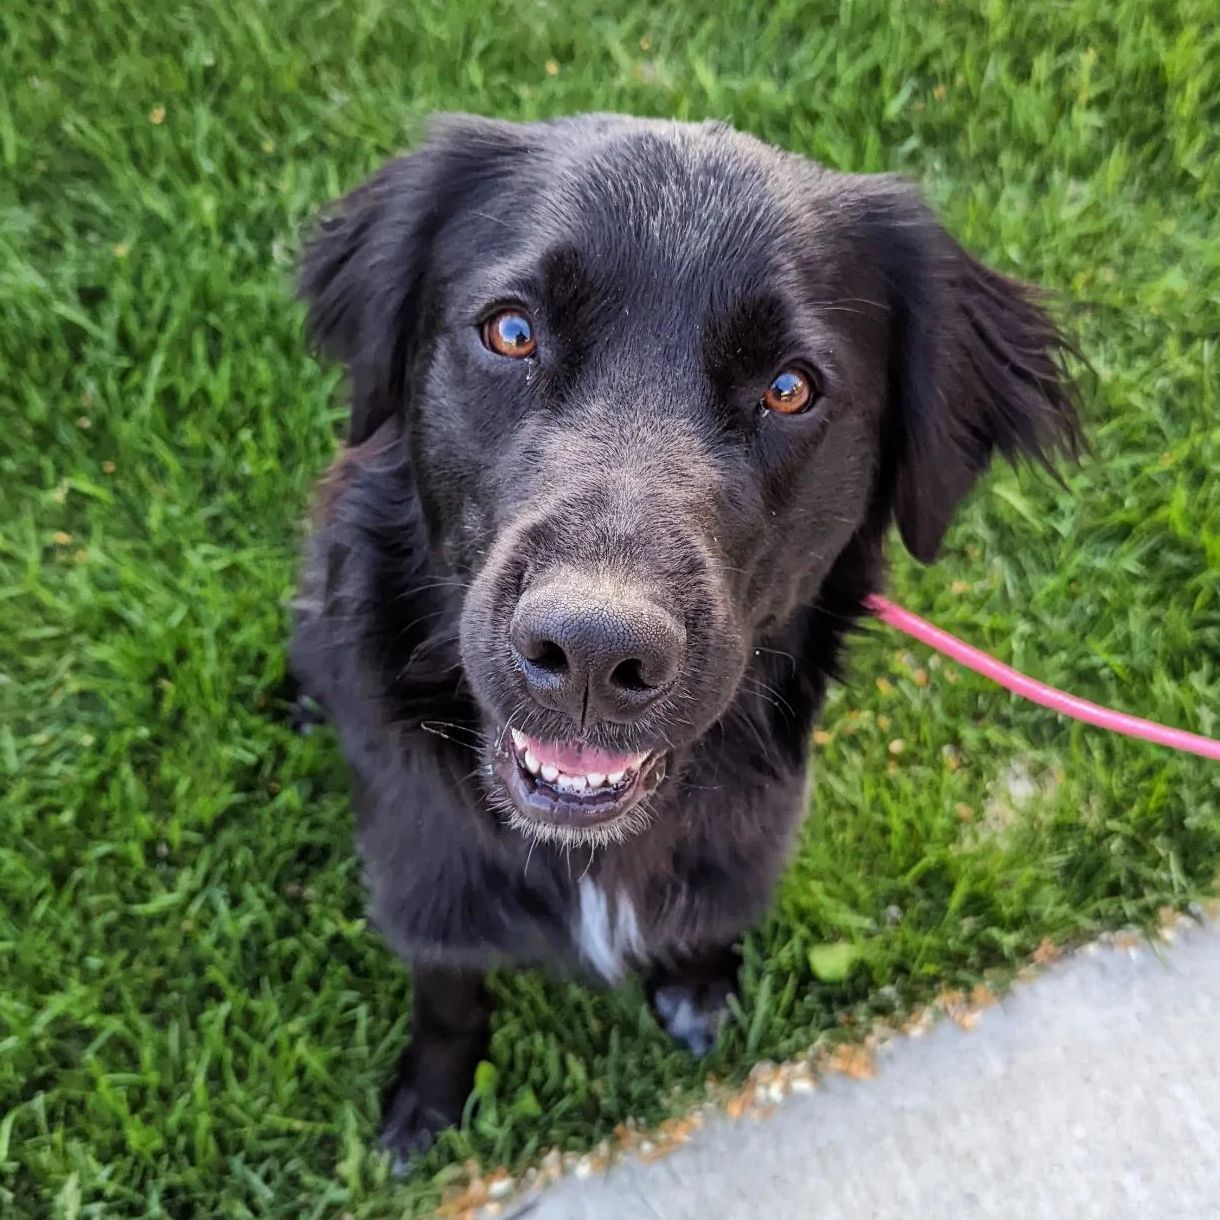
x,y
306,715
693,1014
409,1127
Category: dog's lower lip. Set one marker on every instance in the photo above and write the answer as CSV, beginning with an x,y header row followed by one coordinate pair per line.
x,y
566,801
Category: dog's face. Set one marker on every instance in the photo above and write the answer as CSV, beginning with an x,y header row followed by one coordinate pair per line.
x,y
653,379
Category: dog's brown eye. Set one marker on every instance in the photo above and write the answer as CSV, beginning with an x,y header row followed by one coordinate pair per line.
x,y
509,333
790,393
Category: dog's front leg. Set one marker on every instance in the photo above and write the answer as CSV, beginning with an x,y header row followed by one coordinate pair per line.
x,y
689,995
434,1076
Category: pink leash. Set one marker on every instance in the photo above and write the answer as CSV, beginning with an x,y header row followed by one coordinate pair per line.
x,y
1038,692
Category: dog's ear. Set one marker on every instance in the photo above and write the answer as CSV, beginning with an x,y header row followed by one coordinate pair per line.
x,y
976,365
366,266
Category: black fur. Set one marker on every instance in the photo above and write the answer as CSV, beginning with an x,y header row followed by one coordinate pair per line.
x,y
671,270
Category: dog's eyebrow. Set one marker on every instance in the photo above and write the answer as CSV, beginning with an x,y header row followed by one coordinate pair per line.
x,y
516,281
571,291
752,336
555,283
748,333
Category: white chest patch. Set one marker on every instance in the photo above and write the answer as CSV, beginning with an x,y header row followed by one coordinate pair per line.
x,y
607,931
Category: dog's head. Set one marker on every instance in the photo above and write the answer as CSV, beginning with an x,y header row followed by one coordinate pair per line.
x,y
653,378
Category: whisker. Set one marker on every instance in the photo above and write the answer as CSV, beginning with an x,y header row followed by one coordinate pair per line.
x,y
777,652
589,864
435,728
769,693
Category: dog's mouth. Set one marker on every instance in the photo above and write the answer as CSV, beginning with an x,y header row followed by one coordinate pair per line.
x,y
572,791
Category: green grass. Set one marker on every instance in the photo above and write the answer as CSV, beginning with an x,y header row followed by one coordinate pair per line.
x,y
194,1019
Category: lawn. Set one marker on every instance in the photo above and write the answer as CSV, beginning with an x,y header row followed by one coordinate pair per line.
x,y
194,1019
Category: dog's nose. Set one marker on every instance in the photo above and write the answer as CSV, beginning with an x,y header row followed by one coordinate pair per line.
x,y
595,657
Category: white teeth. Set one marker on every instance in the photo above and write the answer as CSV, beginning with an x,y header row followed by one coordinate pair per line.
x,y
564,781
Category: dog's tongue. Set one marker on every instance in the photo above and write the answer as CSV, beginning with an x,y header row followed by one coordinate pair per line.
x,y
576,758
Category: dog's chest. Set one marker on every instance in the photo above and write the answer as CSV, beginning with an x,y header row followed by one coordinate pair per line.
x,y
606,929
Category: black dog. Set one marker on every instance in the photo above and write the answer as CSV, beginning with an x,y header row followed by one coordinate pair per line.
x,y
634,404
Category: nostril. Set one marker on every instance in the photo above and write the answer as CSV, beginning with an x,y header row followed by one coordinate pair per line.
x,y
593,656
629,675
548,656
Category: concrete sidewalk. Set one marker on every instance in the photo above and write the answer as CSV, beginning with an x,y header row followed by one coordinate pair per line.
x,y
1093,1091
